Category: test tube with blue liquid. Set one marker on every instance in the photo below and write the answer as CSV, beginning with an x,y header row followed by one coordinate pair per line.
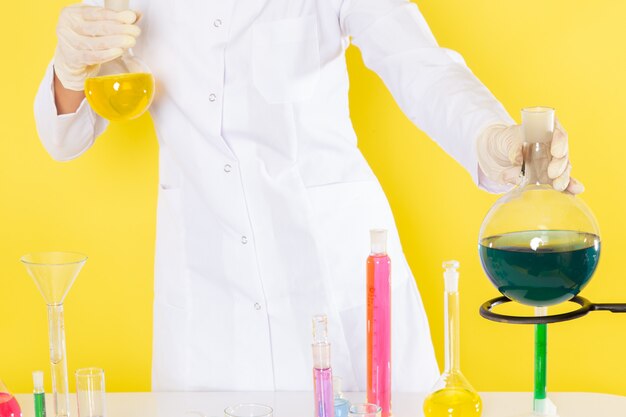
x,y
342,405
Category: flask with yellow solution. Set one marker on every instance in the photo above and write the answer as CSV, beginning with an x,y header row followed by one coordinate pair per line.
x,y
452,395
124,87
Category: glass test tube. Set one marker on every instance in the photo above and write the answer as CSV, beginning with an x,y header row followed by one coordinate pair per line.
x,y
323,394
379,323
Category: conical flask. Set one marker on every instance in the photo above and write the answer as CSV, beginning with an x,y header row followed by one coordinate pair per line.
x,y
54,273
124,88
452,395
537,245
8,404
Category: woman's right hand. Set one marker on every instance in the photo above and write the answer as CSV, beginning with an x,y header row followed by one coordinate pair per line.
x,y
88,37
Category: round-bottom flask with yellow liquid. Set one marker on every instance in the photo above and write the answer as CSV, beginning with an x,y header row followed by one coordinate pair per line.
x,y
124,88
120,97
452,395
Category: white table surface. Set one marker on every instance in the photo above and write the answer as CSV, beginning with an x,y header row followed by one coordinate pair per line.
x,y
299,404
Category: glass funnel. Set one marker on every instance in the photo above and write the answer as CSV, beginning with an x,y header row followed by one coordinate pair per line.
x,y
124,88
54,273
537,245
452,395
8,404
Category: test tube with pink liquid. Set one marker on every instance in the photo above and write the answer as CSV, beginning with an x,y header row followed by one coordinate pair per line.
x,y
379,323
322,373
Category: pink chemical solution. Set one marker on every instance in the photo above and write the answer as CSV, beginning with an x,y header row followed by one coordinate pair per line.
x,y
323,392
379,331
9,406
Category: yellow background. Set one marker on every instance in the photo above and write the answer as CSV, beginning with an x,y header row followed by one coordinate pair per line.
x,y
569,55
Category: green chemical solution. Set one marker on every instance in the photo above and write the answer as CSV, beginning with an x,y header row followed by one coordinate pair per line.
x,y
540,267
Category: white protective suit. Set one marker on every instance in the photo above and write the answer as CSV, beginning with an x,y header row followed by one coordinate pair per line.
x,y
265,202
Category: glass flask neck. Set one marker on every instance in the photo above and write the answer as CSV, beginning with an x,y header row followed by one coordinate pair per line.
x,y
536,160
126,57
127,63
452,346
117,5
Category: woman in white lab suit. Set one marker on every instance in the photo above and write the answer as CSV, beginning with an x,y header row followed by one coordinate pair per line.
x,y
265,202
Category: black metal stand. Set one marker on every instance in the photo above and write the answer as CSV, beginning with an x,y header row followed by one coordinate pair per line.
x,y
586,307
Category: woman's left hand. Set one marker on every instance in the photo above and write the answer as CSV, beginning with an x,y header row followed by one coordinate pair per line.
x,y
500,157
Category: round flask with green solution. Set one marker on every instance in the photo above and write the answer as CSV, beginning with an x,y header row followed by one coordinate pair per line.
x,y
537,245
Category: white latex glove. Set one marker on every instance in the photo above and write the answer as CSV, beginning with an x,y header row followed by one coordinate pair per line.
x,y
88,37
500,157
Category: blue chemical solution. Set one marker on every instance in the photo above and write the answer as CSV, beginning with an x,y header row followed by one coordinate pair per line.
x,y
342,407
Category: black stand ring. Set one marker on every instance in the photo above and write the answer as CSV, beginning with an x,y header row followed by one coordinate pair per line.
x,y
586,306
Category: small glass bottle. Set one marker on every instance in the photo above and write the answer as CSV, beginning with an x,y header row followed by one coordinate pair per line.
x,y
452,395
124,88
8,404
342,405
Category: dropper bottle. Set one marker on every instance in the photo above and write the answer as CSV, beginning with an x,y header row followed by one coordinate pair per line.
x,y
322,373
452,394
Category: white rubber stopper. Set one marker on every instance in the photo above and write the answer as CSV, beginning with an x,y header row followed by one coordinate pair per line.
x,y
538,124
378,238
451,276
38,380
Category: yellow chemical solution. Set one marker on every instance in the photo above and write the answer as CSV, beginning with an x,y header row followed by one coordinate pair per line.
x,y
452,395
453,402
120,97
